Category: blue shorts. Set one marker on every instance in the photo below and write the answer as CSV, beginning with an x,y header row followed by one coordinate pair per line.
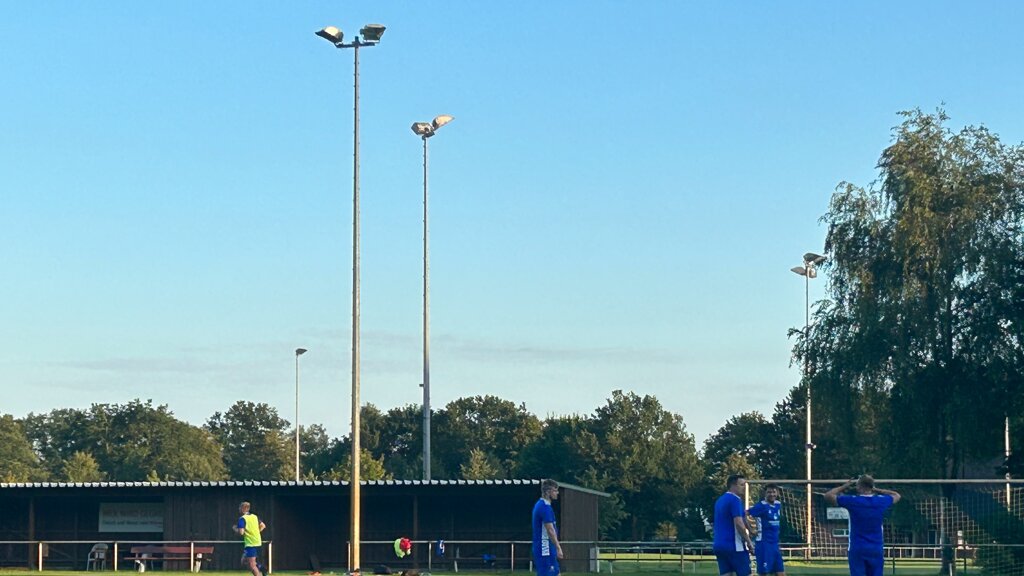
x,y
738,562
866,562
769,558
547,566
250,551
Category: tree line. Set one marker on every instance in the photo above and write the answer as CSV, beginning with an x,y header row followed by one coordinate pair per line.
x,y
914,359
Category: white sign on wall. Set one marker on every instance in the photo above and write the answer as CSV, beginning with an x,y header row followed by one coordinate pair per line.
x,y
837,513
131,517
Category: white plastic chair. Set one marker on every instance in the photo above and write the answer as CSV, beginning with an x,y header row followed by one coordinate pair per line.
x,y
97,557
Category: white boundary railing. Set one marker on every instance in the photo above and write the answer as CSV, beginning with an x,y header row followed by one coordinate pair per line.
x,y
115,547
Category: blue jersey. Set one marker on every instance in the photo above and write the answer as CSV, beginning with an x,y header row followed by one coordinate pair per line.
x,y
543,514
768,517
727,507
866,513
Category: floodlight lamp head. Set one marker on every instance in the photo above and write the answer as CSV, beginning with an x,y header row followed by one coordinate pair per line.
x,y
799,270
372,32
332,34
423,129
812,258
300,351
442,120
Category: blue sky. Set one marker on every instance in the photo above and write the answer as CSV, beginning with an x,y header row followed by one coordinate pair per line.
x,y
617,204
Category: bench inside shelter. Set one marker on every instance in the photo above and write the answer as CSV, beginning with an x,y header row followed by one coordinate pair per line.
x,y
190,557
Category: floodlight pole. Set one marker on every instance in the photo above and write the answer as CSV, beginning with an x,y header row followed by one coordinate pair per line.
x,y
808,271
807,377
334,36
426,130
426,323
1006,454
298,352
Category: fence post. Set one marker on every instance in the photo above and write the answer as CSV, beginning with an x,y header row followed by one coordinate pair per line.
x,y
512,557
270,557
115,556
192,557
39,556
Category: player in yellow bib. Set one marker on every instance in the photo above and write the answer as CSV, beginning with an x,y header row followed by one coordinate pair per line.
x,y
249,528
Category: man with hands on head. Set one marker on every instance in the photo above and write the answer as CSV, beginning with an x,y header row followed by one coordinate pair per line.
x,y
732,541
867,509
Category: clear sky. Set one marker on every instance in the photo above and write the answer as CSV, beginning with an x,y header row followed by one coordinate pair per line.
x,y
617,204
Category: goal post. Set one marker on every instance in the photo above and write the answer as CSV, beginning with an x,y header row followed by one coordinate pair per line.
x,y
975,523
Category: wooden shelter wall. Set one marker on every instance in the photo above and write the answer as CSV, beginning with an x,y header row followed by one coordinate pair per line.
x,y
301,520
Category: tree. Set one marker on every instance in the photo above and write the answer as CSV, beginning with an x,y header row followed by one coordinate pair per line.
x,y
57,435
569,450
17,461
924,312
478,467
749,435
370,468
393,437
255,442
650,461
565,449
128,442
82,467
488,423
136,441
316,451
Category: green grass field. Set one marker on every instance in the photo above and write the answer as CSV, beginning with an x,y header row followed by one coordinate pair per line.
x,y
660,565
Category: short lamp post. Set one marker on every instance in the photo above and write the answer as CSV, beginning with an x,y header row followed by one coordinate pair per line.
x,y
298,352
808,270
369,35
425,130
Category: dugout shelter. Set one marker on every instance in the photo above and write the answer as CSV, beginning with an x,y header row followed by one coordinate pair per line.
x,y
480,520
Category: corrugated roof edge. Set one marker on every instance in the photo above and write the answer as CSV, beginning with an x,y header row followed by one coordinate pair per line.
x,y
250,483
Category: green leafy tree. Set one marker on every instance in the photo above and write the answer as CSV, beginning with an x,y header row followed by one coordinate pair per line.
x,y
255,441
370,468
315,451
498,427
139,441
566,449
924,311
394,437
18,463
129,442
82,467
651,464
401,442
750,435
569,450
479,466
59,434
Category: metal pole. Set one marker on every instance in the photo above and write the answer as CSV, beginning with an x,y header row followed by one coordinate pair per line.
x,y
297,416
807,334
1006,453
354,560
426,324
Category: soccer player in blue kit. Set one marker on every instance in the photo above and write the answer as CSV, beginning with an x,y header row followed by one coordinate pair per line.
x,y
768,513
546,548
867,509
732,541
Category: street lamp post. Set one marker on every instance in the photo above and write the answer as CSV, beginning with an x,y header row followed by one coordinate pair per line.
x,y
298,352
425,130
369,35
808,270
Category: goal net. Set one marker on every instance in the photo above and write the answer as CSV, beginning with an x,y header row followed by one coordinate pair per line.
x,y
952,527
